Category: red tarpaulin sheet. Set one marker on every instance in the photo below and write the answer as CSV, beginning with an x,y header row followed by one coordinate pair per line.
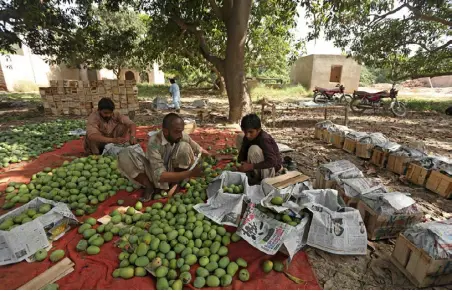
x,y
94,272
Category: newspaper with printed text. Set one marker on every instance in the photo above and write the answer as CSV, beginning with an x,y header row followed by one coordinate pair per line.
x,y
24,240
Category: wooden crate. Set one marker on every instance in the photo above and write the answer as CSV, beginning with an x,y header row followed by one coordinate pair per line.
x,y
382,226
349,145
397,164
322,183
337,140
440,183
417,174
379,158
318,132
349,201
418,266
364,150
326,136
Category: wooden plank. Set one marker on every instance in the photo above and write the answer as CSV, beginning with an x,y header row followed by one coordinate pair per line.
x,y
280,178
51,275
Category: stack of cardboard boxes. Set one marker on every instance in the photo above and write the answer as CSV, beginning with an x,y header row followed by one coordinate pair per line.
x,y
72,97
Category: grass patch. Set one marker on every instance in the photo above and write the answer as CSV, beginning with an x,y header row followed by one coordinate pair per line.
x,y
146,91
427,104
20,96
289,92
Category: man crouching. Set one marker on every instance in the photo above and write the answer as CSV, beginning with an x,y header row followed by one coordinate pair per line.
x,y
258,151
169,155
107,126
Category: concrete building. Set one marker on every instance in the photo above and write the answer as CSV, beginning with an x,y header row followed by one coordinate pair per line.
x,y
24,67
326,71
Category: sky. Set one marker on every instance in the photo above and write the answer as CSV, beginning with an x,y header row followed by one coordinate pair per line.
x,y
319,46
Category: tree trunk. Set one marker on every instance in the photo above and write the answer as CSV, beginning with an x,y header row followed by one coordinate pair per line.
x,y
83,72
219,81
234,65
117,73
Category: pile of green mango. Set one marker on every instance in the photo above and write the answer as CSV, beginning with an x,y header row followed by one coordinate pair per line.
x,y
168,240
93,239
283,217
81,184
24,217
29,141
228,150
234,189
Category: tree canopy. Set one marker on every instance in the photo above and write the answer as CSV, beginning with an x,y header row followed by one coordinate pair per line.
x,y
410,38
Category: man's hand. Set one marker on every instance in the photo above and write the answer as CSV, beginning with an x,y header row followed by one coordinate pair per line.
x,y
205,153
196,172
119,140
246,167
133,140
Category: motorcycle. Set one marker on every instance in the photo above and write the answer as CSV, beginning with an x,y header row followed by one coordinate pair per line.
x,y
337,95
363,101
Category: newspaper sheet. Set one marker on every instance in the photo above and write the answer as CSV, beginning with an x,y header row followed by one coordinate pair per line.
x,y
409,152
391,203
114,149
268,234
225,208
341,169
390,146
24,240
340,129
442,164
356,135
335,229
78,131
356,187
324,124
376,138
434,237
270,192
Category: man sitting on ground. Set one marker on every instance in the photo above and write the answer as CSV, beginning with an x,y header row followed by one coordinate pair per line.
x,y
258,151
106,126
170,153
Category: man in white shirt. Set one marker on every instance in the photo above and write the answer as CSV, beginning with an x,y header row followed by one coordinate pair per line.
x,y
175,93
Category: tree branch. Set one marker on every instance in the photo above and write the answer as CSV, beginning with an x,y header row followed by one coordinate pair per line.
x,y
443,46
216,10
205,51
427,17
378,18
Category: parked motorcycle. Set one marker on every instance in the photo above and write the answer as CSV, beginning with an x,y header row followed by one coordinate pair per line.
x,y
337,95
363,101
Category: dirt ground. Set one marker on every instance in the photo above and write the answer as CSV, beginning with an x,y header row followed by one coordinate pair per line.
x,y
295,128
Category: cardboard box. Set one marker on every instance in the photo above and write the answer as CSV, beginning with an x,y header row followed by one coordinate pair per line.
x,y
337,140
397,164
379,157
349,145
417,174
364,150
440,183
382,226
418,266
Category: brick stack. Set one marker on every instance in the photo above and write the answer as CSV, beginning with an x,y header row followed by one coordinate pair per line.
x,y
72,97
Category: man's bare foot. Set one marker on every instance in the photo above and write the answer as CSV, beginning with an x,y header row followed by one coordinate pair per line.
x,y
147,194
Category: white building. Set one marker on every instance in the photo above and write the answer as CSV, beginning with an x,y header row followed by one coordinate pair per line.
x,y
26,67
